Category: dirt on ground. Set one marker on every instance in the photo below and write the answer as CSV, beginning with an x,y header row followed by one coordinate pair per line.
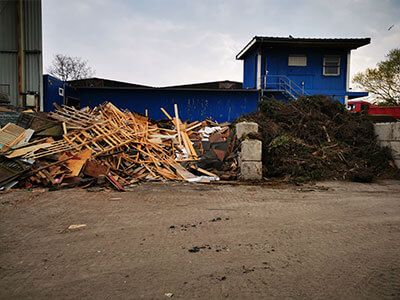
x,y
329,240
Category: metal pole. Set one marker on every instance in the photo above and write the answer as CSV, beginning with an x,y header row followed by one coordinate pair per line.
x,y
21,53
41,92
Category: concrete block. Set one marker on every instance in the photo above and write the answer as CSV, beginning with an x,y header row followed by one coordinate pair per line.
x,y
244,128
384,143
395,147
396,131
397,163
251,150
384,131
250,170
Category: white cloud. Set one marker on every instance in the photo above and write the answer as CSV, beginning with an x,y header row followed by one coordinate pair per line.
x,y
159,42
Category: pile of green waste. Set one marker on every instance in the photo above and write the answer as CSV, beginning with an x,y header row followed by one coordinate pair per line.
x,y
315,138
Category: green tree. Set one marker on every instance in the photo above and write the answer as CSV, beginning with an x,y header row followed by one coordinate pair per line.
x,y
384,80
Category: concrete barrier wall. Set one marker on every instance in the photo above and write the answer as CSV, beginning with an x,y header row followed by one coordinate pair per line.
x,y
388,134
250,163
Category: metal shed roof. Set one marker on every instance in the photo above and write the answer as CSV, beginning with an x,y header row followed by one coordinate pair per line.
x,y
342,43
102,82
213,85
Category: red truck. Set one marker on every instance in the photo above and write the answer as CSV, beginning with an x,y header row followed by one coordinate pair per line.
x,y
384,113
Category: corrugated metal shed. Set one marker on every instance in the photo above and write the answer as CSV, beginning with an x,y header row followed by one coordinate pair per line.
x,y
194,104
8,26
213,85
196,101
33,25
21,49
32,66
9,75
102,82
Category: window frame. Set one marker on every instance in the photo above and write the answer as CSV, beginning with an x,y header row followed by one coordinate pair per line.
x,y
338,65
297,55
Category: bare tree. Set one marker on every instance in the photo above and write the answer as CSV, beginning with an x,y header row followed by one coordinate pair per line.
x,y
70,68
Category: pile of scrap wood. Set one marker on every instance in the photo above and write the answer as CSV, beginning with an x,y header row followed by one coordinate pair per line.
x,y
105,144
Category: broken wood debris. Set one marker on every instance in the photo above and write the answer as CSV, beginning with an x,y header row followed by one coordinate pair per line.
x,y
11,135
117,145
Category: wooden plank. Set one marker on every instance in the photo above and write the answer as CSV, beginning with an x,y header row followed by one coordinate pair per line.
x,y
49,177
10,135
193,127
166,113
181,171
190,147
75,164
22,151
95,169
205,172
64,126
178,123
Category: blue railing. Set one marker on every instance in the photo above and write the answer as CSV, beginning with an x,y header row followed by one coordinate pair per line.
x,y
283,84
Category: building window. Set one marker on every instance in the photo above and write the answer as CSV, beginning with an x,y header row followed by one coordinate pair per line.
x,y
331,65
297,60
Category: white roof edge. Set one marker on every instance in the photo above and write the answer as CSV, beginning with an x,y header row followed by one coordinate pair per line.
x,y
244,50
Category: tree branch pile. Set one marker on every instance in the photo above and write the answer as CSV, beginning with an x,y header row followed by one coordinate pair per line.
x,y
316,138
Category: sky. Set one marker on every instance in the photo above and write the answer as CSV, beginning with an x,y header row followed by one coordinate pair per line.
x,y
170,42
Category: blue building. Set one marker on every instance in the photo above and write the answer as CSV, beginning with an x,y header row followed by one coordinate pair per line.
x,y
285,68
221,101
290,67
53,92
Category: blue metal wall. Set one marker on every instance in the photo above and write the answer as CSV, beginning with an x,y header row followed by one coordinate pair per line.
x,y
312,74
250,71
220,105
51,94
275,61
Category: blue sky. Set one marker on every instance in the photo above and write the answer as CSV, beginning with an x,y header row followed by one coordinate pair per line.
x,y
161,43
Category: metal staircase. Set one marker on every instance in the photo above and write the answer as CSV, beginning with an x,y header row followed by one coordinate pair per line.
x,y
284,85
